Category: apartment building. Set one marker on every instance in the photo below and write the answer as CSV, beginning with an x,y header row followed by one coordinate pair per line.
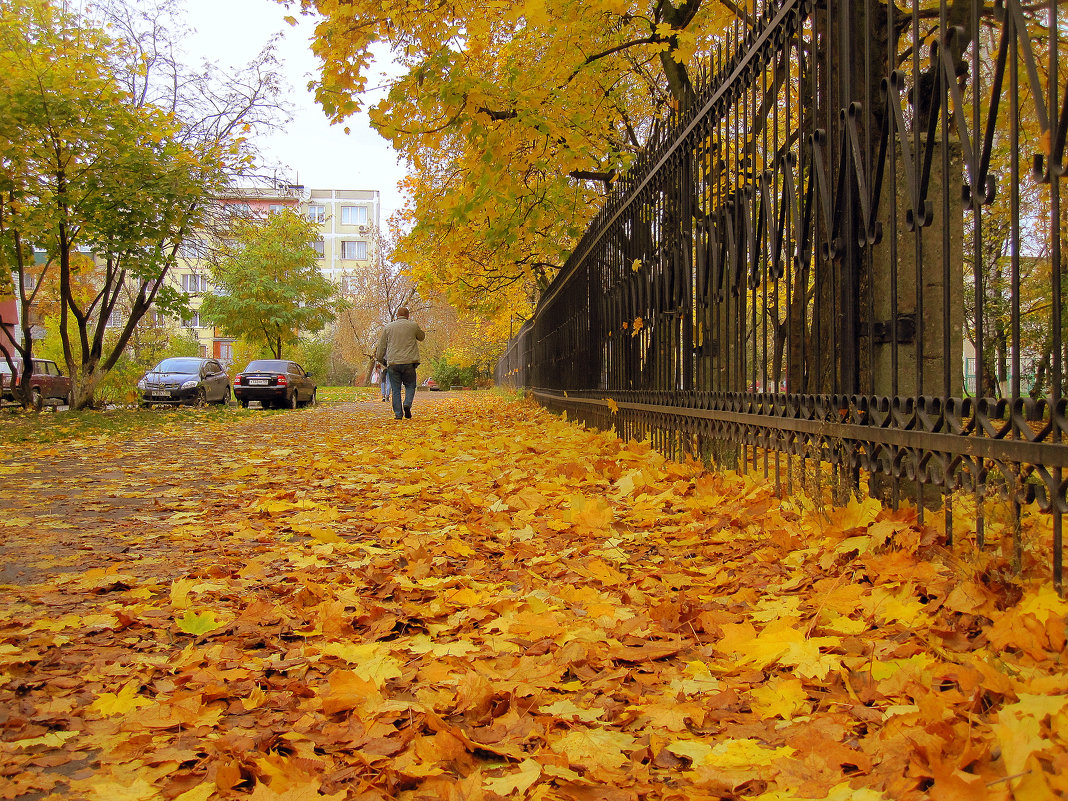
x,y
347,219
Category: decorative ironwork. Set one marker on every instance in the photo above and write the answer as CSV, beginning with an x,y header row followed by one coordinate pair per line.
x,y
848,250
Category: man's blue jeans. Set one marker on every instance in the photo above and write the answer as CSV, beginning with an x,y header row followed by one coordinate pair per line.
x,y
401,374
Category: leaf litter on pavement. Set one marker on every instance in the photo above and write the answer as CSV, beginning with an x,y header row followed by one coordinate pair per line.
x,y
489,602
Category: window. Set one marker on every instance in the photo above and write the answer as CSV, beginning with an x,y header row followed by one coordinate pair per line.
x,y
192,249
238,209
157,319
29,281
193,321
348,285
226,351
317,213
191,282
354,250
116,320
276,208
320,248
354,215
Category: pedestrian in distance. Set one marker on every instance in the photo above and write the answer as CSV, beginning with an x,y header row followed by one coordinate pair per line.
x,y
380,377
398,350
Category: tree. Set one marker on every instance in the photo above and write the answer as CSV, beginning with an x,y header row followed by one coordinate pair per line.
x,y
514,120
97,157
373,293
268,283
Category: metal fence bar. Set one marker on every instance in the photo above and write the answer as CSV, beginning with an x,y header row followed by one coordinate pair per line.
x,y
847,253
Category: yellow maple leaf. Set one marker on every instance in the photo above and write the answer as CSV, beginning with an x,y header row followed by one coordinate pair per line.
x,y
202,792
372,660
518,782
347,690
53,739
856,514
594,748
566,709
180,592
781,642
780,697
593,513
612,405
1043,604
126,699
730,754
198,623
116,789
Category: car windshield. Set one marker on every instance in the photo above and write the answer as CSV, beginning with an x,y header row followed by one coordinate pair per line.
x,y
267,365
178,366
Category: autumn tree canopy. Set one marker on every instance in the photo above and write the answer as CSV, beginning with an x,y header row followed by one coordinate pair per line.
x,y
513,118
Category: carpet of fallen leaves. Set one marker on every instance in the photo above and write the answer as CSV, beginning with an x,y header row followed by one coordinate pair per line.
x,y
487,602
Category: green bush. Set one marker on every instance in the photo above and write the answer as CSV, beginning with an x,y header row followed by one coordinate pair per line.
x,y
314,356
448,374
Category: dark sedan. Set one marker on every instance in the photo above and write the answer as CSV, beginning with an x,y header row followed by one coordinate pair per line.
x,y
185,380
274,382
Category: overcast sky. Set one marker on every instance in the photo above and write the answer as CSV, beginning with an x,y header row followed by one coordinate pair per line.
x,y
320,155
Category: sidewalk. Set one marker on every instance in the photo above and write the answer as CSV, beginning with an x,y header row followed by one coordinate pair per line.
x,y
487,602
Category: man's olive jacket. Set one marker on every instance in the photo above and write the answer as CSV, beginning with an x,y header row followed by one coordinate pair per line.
x,y
398,343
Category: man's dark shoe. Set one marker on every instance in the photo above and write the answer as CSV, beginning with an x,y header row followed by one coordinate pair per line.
x,y
408,412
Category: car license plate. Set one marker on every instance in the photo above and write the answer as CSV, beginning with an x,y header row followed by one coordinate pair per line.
x,y
258,382
161,394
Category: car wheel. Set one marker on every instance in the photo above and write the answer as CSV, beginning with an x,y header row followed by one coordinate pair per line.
x,y
312,399
291,401
35,398
201,398
225,400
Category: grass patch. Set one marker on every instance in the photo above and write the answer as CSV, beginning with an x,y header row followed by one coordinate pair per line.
x,y
47,427
21,428
331,395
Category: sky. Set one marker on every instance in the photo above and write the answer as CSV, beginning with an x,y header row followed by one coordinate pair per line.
x,y
320,155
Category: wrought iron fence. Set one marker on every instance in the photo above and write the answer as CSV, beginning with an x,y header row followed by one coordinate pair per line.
x,y
847,252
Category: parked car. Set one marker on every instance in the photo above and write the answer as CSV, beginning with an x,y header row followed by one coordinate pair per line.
x,y
47,381
431,384
274,381
185,379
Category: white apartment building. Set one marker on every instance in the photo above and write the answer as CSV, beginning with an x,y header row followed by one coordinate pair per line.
x,y
347,221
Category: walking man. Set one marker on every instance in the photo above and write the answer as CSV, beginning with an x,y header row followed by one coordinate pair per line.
x,y
398,349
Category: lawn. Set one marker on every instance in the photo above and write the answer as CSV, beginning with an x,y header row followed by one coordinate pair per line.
x,y
50,426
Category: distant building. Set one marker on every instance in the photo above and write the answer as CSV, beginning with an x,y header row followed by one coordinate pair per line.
x,y
347,219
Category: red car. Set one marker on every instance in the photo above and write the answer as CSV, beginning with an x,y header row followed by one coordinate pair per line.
x,y
47,381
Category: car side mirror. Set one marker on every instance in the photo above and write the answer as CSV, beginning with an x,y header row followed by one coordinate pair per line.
x,y
307,375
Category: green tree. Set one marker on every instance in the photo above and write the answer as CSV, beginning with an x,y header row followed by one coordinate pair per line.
x,y
269,285
93,159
